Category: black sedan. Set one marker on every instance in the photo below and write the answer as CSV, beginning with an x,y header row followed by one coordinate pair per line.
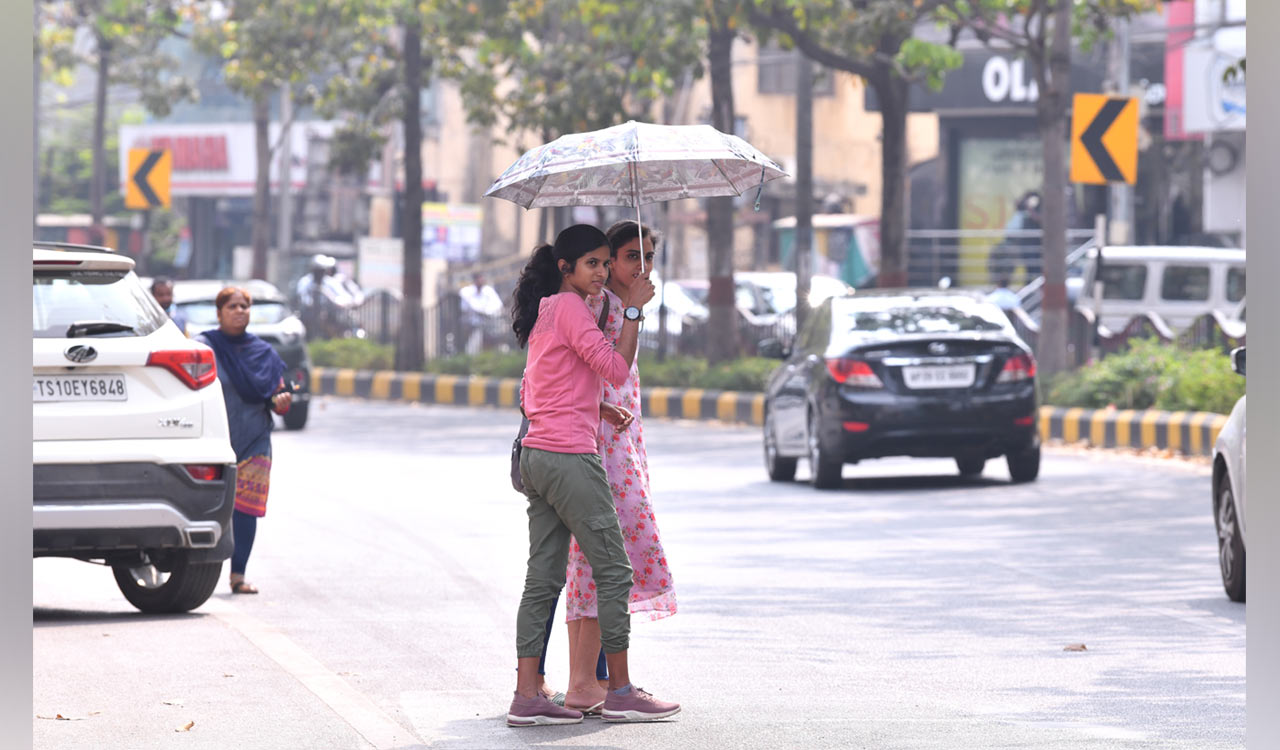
x,y
926,373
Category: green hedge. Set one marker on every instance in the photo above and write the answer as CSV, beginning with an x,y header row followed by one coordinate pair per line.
x,y
747,374
1152,375
358,354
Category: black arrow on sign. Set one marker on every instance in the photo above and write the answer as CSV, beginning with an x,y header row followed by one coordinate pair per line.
x,y
1091,139
140,178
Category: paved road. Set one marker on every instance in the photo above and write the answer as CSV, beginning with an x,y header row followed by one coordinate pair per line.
x,y
912,609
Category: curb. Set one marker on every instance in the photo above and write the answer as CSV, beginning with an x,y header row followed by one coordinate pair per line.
x,y
1192,433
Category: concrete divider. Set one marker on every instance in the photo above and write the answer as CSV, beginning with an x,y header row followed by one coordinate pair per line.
x,y
1192,433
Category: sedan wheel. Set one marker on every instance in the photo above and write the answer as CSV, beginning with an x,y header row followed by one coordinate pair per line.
x,y
780,468
1230,544
825,469
970,466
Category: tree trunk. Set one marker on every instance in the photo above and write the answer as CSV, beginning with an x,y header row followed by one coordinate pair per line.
x,y
261,223
1051,109
409,348
97,185
722,334
804,186
894,94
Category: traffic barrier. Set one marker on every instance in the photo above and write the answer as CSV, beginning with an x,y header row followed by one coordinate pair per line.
x,y
1189,432
1192,433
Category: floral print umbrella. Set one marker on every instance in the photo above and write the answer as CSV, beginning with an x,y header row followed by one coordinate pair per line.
x,y
633,165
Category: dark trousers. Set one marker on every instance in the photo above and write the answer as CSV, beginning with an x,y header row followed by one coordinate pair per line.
x,y
243,529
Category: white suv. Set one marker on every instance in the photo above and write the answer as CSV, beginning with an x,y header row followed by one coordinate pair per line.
x,y
132,459
1228,493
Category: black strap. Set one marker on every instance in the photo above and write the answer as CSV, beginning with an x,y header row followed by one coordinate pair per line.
x,y
604,312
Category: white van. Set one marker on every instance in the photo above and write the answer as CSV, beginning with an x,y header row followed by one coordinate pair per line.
x,y
1178,283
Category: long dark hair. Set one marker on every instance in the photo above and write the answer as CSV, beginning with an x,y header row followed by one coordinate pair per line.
x,y
541,277
626,230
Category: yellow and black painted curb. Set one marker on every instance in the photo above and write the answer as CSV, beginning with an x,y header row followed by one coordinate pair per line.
x,y
1192,433
1189,432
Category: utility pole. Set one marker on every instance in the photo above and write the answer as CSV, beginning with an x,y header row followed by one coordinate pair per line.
x,y
1120,195
804,185
284,243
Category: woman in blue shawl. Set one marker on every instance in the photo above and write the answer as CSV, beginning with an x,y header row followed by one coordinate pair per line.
x,y
253,386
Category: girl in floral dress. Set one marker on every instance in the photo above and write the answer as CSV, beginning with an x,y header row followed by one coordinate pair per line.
x,y
621,444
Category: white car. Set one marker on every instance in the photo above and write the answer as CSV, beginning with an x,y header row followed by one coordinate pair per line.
x,y
782,287
131,456
1228,493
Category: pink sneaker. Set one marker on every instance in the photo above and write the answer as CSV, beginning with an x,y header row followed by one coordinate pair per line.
x,y
530,712
636,705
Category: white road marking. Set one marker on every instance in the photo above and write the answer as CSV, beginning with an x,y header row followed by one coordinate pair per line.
x,y
354,707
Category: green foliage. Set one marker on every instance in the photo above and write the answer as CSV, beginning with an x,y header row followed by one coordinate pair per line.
x,y
358,354
566,66
66,160
1152,375
491,364
747,374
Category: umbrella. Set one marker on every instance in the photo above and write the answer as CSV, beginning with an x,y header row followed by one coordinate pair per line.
x,y
635,164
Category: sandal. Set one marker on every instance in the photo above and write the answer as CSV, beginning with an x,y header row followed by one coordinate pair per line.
x,y
241,586
588,710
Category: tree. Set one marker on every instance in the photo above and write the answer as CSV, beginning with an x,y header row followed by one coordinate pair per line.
x,y
266,46
1043,32
127,36
873,39
722,325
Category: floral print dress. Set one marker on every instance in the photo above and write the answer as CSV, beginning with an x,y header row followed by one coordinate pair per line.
x,y
627,465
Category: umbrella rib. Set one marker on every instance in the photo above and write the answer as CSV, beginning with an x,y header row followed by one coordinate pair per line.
x,y
726,177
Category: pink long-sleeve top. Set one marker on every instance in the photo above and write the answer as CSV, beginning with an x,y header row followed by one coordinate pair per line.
x,y
569,360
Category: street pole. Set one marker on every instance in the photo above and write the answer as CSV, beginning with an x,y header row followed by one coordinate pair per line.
x,y
804,185
285,242
1120,195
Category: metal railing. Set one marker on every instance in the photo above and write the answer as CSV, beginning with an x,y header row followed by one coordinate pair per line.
x,y
978,257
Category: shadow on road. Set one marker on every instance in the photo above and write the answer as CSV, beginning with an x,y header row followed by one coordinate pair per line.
x,y
48,616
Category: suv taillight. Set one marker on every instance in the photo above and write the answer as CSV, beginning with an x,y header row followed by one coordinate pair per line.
x,y
204,472
194,367
1017,368
853,372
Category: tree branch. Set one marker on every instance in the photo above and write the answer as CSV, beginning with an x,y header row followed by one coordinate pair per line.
x,y
781,21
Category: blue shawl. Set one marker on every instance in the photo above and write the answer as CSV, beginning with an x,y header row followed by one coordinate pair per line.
x,y
247,362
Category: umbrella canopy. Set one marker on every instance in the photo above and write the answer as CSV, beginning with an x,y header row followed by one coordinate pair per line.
x,y
635,164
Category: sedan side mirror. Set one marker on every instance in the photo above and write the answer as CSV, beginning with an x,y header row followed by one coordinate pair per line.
x,y
1237,360
772,348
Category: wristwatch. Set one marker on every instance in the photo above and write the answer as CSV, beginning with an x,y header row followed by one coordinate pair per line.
x,y
632,313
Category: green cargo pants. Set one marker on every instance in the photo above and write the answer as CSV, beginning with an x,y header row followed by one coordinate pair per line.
x,y
569,494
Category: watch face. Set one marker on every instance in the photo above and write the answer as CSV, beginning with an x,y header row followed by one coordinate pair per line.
x,y
632,313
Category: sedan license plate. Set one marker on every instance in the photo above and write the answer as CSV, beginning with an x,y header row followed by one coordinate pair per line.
x,y
103,387
946,376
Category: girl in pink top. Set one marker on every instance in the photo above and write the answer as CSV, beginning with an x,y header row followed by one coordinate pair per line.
x,y
621,448
568,490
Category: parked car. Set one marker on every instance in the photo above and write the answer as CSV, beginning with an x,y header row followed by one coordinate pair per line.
x,y
271,319
1228,493
781,287
927,373
1180,284
131,456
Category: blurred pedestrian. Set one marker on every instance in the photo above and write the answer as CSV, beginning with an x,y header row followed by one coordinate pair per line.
x,y
480,304
253,386
162,290
1017,248
563,477
620,443
1004,297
